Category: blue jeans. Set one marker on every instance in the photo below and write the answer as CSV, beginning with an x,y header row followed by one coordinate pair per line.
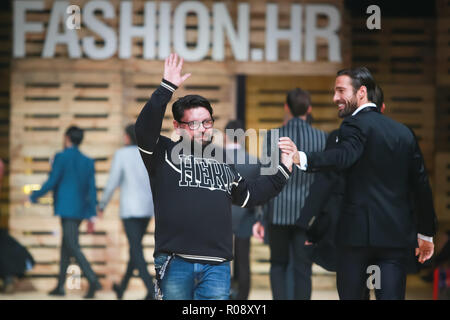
x,y
184,280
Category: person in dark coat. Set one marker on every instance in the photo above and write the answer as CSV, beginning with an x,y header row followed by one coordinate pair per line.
x,y
383,166
15,260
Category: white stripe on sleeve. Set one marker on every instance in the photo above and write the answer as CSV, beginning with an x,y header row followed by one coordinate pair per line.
x,y
147,152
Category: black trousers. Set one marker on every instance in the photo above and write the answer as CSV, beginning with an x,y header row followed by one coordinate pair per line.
x,y
70,247
135,229
242,266
356,264
281,238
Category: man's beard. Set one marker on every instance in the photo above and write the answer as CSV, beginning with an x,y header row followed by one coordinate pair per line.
x,y
203,142
350,107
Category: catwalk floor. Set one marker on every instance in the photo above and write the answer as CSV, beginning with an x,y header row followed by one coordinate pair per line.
x,y
416,290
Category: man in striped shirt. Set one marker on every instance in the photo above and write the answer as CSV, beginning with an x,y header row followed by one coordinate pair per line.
x,y
284,210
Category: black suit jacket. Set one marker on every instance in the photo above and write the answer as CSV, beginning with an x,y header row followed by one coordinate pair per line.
x,y
382,165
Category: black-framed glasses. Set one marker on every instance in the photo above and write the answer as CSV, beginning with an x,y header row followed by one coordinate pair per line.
x,y
194,125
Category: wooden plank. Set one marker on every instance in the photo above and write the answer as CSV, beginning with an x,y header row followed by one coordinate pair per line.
x,y
443,51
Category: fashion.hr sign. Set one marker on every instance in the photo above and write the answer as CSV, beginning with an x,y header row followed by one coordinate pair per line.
x,y
164,30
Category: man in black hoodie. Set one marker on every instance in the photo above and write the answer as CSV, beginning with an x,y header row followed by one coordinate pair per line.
x,y
193,191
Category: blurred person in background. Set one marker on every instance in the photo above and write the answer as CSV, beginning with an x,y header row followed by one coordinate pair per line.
x,y
242,218
15,259
72,180
286,240
136,207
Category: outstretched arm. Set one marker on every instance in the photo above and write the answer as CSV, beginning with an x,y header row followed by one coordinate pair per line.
x,y
250,193
149,122
343,156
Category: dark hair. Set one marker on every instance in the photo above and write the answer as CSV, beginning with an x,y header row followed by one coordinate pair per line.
x,y
298,101
233,125
129,130
75,135
189,102
378,97
360,76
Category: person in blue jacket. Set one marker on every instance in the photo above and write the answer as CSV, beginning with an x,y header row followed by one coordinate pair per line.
x,y
72,180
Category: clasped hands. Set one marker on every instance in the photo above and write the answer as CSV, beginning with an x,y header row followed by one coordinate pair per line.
x,y
289,152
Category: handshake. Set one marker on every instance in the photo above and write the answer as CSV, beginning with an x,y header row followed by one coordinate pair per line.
x,y
289,152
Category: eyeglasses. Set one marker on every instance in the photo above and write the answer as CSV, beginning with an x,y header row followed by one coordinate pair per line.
x,y
194,125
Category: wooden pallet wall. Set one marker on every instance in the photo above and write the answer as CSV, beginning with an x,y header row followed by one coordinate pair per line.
x,y
443,77
442,173
267,96
401,57
402,51
442,190
5,106
45,104
443,43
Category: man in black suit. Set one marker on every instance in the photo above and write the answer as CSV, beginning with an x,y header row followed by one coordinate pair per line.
x,y
382,165
323,204
282,212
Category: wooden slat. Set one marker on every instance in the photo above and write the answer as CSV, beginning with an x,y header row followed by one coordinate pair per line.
x,y
5,59
443,8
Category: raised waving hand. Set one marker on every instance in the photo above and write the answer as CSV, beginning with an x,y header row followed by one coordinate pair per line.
x,y
172,70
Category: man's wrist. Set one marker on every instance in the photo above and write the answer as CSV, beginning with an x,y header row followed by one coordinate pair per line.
x,y
168,85
284,170
303,161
